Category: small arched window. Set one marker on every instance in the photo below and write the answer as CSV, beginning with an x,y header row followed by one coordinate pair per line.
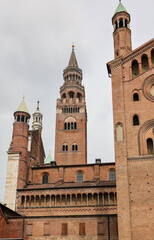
x,y
74,147
126,23
135,97
65,125
145,64
121,23
119,132
79,96
45,178
79,177
22,118
112,176
135,120
18,118
71,94
65,148
150,146
135,68
152,57
75,125
64,96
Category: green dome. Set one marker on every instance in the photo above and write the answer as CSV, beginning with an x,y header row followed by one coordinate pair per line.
x,y
120,8
49,159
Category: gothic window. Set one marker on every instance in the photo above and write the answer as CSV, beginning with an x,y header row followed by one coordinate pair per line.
x,y
68,125
65,125
80,177
72,125
150,146
75,125
135,97
135,120
119,132
135,68
152,57
112,176
145,64
45,178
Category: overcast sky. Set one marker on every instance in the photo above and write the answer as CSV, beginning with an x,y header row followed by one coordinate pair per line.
x,y
35,46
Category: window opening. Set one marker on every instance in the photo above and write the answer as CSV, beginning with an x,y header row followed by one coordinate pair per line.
x,y
45,179
150,146
80,177
135,97
135,120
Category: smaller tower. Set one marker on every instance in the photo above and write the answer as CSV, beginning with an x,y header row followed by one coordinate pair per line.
x,y
37,119
17,155
122,32
48,159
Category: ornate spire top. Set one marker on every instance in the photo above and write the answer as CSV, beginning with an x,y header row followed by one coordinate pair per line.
x,y
38,105
73,62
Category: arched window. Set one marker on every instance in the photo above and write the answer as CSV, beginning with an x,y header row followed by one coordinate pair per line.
x,y
121,23
64,95
65,148
79,177
71,94
74,147
152,57
135,120
119,132
79,96
18,118
112,176
135,97
22,118
65,125
72,125
45,178
145,64
150,146
135,68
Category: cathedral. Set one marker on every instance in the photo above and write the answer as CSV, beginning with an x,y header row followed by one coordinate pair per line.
x,y
67,198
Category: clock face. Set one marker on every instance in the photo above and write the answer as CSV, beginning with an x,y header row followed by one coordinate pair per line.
x,y
148,88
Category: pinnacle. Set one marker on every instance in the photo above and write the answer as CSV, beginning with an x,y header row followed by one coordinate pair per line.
x,y
73,62
120,8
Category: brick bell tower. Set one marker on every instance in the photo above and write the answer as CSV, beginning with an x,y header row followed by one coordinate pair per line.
x,y
122,32
71,118
17,155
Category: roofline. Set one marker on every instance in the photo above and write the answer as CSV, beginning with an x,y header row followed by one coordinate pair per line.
x,y
79,165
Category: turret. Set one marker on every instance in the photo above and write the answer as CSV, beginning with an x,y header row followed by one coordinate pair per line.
x,y
37,119
20,140
17,155
122,32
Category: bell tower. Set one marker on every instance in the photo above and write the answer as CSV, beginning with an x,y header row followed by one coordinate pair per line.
x,y
122,32
71,117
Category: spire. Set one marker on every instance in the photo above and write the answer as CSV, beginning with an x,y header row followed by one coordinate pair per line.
x,y
72,72
48,159
22,107
37,118
73,62
120,8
